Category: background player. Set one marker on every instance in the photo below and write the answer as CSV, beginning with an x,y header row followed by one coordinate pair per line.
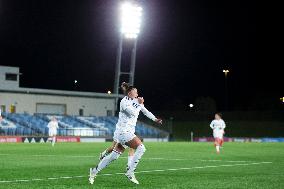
x,y
52,130
218,125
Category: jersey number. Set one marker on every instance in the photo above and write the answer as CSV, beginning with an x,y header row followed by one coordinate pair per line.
x,y
135,105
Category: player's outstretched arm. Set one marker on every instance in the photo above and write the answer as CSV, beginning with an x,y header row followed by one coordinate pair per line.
x,y
147,113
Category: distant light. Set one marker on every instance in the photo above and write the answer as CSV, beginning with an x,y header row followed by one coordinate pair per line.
x,y
191,105
108,92
282,99
226,71
130,19
75,81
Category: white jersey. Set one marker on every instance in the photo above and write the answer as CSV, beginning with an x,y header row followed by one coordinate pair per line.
x,y
52,126
218,127
129,112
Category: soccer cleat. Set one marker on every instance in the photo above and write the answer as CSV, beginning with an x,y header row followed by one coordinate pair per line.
x,y
131,177
92,176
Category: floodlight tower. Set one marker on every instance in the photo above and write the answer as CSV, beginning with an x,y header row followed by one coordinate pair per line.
x,y
130,22
226,88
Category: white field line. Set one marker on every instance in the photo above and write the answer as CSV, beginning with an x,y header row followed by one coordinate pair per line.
x,y
138,172
91,156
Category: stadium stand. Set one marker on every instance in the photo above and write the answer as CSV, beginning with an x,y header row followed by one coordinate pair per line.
x,y
26,124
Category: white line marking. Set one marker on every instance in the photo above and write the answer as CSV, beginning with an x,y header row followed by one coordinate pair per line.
x,y
212,160
146,171
53,178
90,156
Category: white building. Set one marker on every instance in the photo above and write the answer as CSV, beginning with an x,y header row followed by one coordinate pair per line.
x,y
14,99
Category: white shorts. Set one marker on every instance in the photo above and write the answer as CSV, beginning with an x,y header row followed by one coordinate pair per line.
x,y
123,137
52,132
218,135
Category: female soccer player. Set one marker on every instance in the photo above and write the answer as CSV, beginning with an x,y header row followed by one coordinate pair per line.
x,y
218,125
52,130
130,106
131,151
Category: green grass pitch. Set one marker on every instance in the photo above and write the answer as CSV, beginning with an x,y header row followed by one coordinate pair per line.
x,y
164,165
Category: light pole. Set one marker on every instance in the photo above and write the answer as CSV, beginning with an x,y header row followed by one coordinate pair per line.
x,y
226,88
130,18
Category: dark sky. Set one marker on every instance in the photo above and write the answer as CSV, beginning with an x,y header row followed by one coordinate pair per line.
x,y
182,49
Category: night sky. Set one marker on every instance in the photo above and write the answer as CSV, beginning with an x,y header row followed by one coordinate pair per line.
x,y
182,49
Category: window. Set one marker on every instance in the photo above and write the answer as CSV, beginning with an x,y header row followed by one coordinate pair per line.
x,y
81,112
11,77
3,108
13,109
109,113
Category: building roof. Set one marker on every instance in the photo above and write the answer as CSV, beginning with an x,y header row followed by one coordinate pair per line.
x,y
59,93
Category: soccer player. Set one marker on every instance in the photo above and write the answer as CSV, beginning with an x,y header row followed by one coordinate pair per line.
x,y
115,140
52,130
130,106
218,125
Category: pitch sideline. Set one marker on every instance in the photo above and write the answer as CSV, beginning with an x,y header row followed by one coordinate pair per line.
x,y
138,172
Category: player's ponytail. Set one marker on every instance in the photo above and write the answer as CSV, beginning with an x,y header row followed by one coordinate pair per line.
x,y
126,88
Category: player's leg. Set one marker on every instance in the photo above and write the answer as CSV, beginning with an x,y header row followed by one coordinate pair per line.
x,y
53,139
221,142
49,139
117,151
130,157
217,145
107,151
140,149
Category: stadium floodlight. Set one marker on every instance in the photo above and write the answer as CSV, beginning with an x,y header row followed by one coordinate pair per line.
x,y
130,23
226,72
131,15
226,88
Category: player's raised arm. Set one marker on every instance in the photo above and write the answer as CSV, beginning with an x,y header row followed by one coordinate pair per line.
x,y
147,113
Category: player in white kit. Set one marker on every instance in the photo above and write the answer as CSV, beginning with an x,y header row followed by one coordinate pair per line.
x,y
218,125
130,106
131,151
52,130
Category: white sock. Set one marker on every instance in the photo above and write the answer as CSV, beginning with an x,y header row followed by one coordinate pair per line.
x,y
136,158
218,148
53,140
105,153
114,155
130,158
